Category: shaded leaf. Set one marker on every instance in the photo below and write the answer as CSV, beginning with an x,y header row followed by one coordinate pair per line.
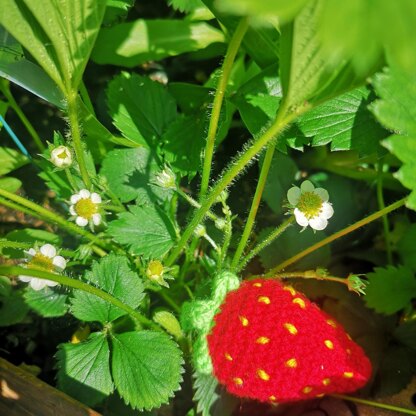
x,y
47,302
10,184
406,247
11,160
13,308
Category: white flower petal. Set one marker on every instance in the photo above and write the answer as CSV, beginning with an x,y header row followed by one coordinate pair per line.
x,y
84,193
293,195
300,217
322,193
24,278
37,284
327,210
95,198
96,219
81,221
75,198
318,223
50,283
72,210
31,252
48,250
59,262
307,186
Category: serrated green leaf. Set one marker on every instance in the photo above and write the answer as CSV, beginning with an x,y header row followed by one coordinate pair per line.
x,y
146,230
10,184
13,308
185,5
47,302
11,160
113,275
141,109
146,368
391,289
345,122
183,143
84,369
205,392
32,236
131,174
134,43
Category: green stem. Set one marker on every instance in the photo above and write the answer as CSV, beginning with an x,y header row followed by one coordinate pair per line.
x,y
375,404
311,274
71,179
273,235
40,212
26,246
194,203
239,165
77,284
76,137
169,301
381,205
254,206
5,88
337,235
218,99
115,208
228,232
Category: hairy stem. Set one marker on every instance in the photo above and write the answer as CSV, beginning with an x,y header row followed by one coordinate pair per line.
x,y
337,235
76,137
26,246
194,203
218,99
77,284
311,274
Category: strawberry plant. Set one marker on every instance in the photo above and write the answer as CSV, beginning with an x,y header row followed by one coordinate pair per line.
x,y
209,204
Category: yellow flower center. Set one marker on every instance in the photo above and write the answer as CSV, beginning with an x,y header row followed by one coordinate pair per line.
x,y
310,204
62,155
155,269
41,262
85,208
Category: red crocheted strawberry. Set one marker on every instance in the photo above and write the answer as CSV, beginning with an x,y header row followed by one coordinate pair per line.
x,y
272,344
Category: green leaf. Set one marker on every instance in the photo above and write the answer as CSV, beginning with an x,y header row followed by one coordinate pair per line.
x,y
282,175
54,180
47,302
134,43
116,10
345,122
84,369
142,109
32,236
10,184
406,247
396,110
146,230
185,5
58,34
291,242
13,308
183,143
390,289
113,275
11,160
146,368
131,174
190,97
205,393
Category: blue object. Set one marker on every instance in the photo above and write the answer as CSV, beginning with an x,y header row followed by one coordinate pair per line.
x,y
18,143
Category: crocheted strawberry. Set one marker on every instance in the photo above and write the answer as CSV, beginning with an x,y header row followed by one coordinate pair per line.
x,y
272,344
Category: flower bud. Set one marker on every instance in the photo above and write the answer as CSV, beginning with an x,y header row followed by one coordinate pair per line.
x,y
166,179
61,157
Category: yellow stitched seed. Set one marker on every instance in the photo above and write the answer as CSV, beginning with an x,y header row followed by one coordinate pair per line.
x,y
262,340
228,356
348,374
329,344
263,375
243,320
326,381
300,302
348,351
320,395
290,289
349,337
264,299
307,390
292,363
272,398
332,323
257,285
291,328
238,381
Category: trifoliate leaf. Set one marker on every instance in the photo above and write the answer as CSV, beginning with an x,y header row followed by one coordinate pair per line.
x,y
146,230
113,275
141,109
205,392
131,174
84,369
146,368
47,302
391,289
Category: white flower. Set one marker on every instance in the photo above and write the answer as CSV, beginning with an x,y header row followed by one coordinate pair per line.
x,y
311,206
166,179
61,157
84,207
44,259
